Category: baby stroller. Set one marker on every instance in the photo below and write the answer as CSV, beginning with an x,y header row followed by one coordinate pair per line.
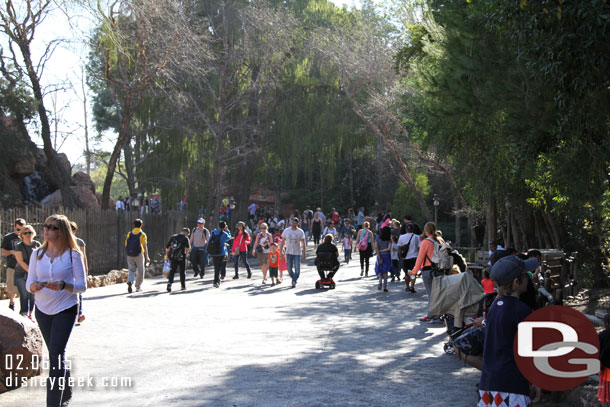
x,y
327,264
455,298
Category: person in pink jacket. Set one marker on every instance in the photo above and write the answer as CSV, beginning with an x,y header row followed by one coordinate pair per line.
x,y
240,248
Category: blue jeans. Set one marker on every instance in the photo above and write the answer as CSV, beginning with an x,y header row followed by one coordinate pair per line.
x,y
293,260
426,276
244,257
25,297
199,259
56,330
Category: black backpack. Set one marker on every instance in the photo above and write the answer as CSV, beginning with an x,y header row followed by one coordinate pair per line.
x,y
175,249
214,248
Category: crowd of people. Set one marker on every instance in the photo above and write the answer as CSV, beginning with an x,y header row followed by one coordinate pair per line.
x,y
145,205
50,277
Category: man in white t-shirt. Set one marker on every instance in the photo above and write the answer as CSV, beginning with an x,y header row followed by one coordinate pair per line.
x,y
408,242
293,238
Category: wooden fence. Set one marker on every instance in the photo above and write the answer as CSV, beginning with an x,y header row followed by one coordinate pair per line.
x,y
104,232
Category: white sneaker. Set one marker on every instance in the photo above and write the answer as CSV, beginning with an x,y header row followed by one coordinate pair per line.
x,y
138,290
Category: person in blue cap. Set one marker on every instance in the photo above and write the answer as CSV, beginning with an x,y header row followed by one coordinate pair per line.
x,y
501,380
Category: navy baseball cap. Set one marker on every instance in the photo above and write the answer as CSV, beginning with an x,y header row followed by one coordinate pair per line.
x,y
505,270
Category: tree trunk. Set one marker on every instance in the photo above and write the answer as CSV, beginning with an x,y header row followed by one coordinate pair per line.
x,y
515,229
129,168
458,228
214,198
124,133
244,186
548,244
492,219
554,232
507,232
57,171
471,233
351,178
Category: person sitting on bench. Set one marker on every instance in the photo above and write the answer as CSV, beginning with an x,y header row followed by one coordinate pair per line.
x,y
327,258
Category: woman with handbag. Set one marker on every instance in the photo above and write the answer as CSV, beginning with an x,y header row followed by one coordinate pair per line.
x,y
364,240
57,275
262,245
240,249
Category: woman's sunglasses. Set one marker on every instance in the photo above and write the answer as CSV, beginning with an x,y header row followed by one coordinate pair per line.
x,y
26,233
50,227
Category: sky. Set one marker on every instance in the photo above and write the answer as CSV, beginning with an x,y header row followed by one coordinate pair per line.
x,y
62,80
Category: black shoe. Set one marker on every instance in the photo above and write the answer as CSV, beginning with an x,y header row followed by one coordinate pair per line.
x,y
412,290
361,273
235,277
385,289
201,275
249,275
195,275
169,288
11,305
393,279
216,285
183,288
129,290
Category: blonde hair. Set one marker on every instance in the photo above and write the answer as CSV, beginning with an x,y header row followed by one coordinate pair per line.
x,y
430,230
66,238
366,224
24,228
264,225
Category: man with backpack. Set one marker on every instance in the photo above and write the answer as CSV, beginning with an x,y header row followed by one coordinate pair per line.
x,y
176,250
136,246
217,249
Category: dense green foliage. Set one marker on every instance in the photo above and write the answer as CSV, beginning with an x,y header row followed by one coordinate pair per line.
x,y
516,96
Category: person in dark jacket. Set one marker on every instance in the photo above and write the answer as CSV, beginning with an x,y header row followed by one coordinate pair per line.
x,y
327,258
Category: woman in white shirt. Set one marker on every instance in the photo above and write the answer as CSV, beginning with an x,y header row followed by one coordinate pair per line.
x,y
57,275
330,230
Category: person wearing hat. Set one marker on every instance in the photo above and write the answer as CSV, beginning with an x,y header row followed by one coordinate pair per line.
x,y
501,380
293,238
199,242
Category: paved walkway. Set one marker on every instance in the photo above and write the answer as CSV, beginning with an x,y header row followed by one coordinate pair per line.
x,y
245,344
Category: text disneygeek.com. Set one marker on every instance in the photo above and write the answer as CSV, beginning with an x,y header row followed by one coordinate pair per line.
x,y
16,368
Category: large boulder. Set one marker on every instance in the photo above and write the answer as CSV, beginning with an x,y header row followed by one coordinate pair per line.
x,y
86,196
83,179
26,165
84,193
21,348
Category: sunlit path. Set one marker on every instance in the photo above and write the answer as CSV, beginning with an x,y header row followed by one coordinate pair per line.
x,y
251,345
